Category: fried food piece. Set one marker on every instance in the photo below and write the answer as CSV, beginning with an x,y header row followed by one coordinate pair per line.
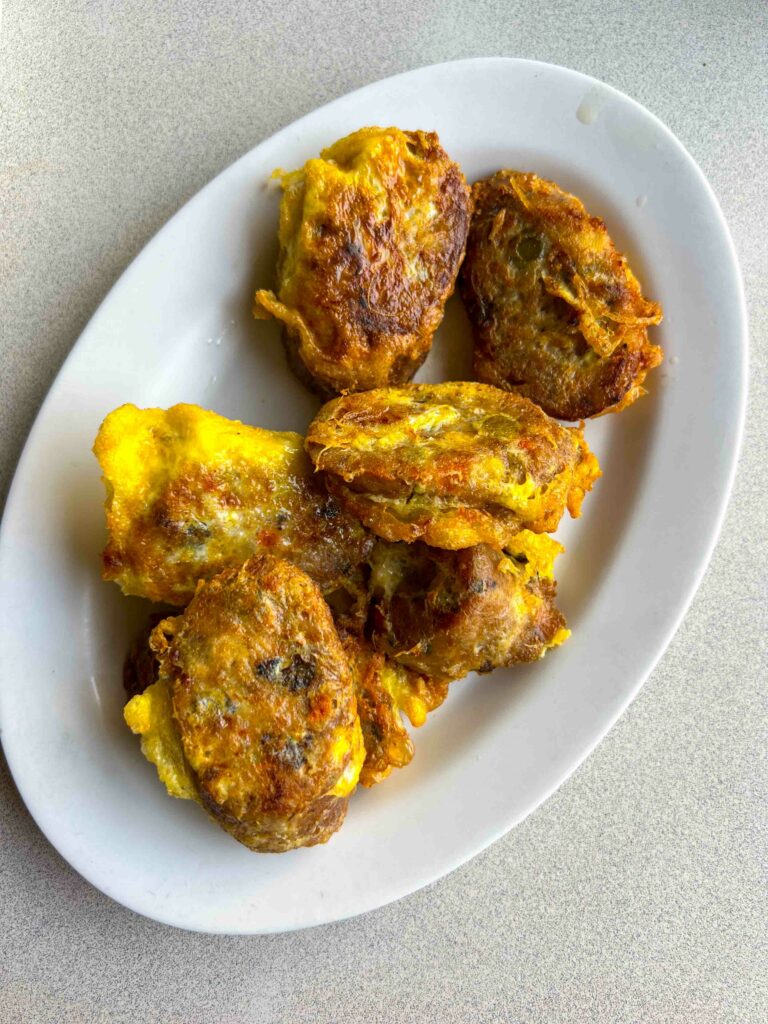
x,y
150,715
190,493
371,237
254,712
451,464
557,314
448,613
385,691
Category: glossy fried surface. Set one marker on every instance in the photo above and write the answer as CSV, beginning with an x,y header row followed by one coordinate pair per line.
x,y
385,692
448,613
557,313
371,237
264,705
451,464
190,493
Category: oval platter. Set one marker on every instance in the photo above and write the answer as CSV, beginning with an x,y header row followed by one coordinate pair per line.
x,y
177,327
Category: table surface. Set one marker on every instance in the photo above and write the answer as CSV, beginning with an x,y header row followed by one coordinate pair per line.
x,y
637,892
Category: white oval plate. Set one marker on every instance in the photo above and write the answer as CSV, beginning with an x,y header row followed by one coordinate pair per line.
x,y
177,327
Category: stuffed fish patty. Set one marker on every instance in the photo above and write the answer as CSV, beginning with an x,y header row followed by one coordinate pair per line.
x,y
371,237
453,464
557,314
385,691
254,711
448,613
190,493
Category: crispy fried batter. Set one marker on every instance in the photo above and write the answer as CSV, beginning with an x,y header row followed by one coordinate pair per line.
x,y
190,493
263,708
386,691
371,237
452,464
557,314
447,613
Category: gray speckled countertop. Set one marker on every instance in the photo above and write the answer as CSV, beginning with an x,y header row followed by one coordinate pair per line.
x,y
638,892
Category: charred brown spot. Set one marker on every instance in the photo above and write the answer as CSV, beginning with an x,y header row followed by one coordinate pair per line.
x,y
163,520
329,510
286,750
354,252
482,586
298,674
112,561
291,754
269,669
196,530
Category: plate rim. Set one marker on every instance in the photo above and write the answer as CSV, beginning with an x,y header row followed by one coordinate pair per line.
x,y
736,418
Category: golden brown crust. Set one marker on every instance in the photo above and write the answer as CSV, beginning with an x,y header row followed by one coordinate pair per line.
x,y
448,613
264,703
557,314
386,691
453,464
190,493
371,237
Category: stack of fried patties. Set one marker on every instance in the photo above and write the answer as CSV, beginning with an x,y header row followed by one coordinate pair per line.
x,y
334,582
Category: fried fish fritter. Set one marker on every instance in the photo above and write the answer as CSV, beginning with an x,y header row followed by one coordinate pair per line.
x,y
448,613
190,493
254,712
371,237
557,314
451,464
385,691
